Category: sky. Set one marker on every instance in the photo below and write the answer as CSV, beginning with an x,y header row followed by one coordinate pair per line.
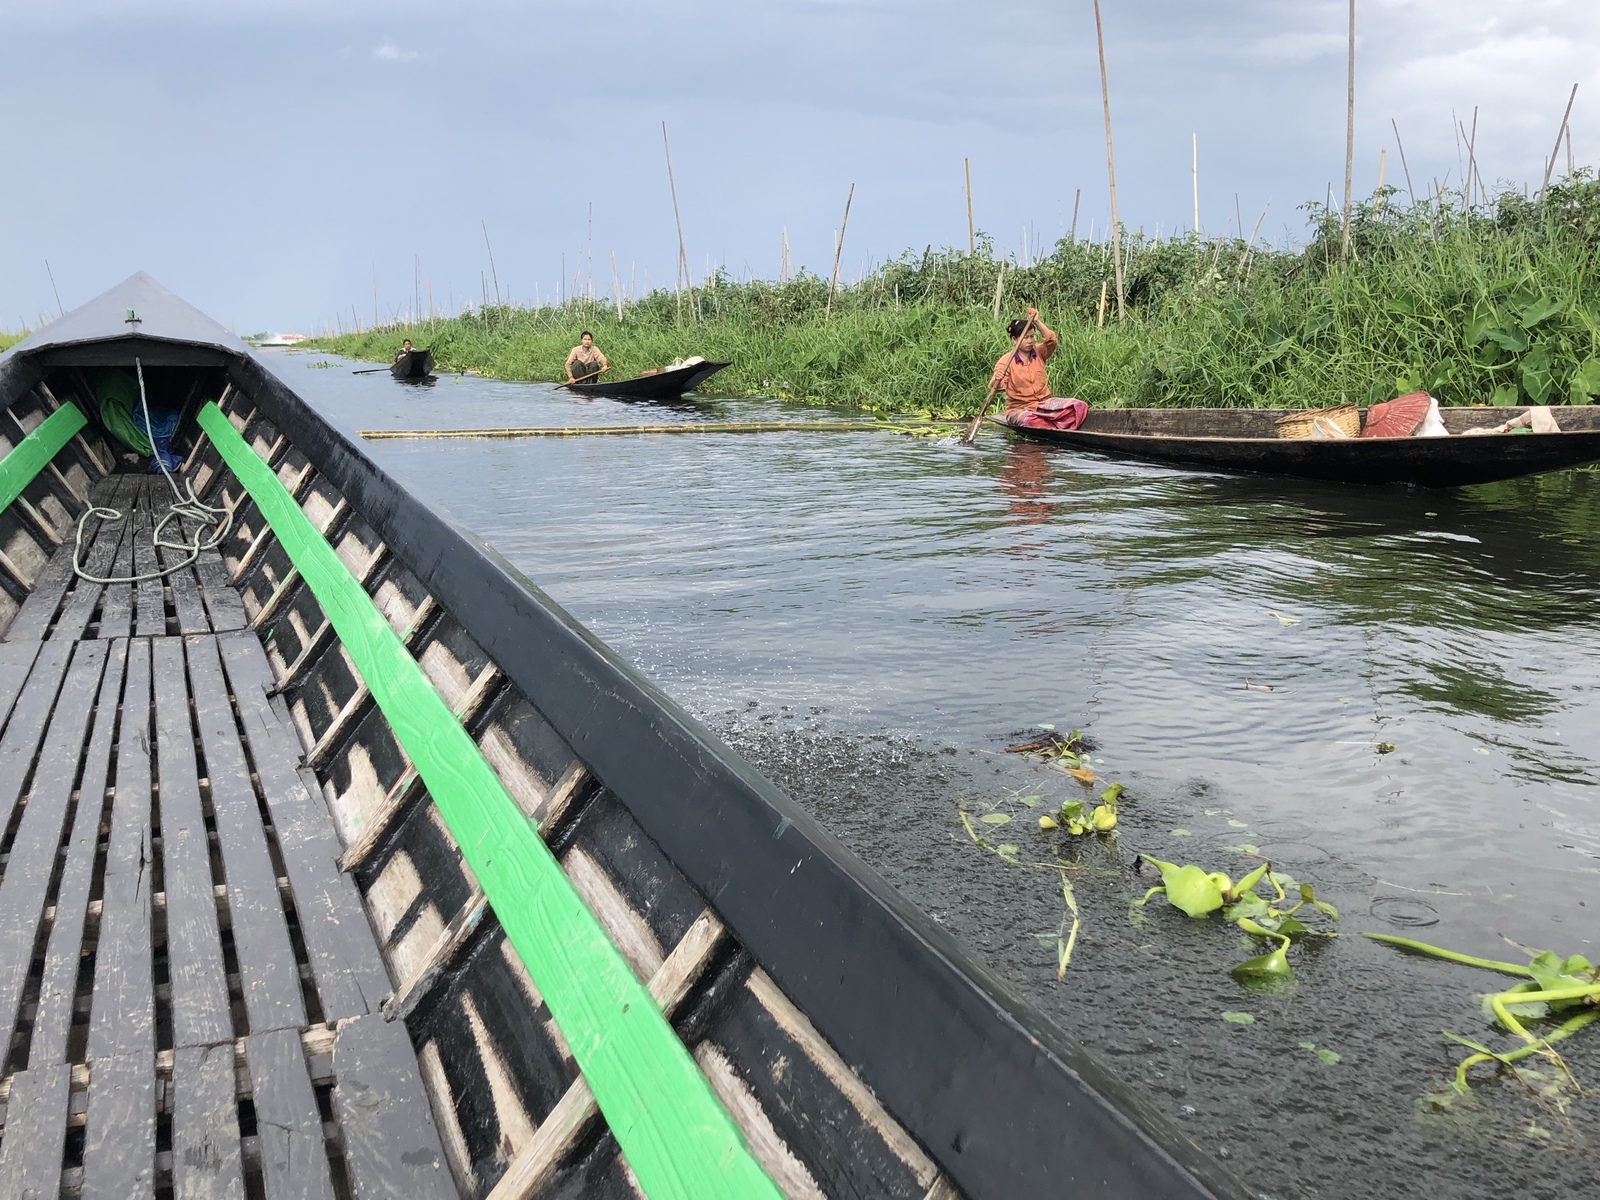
x,y
280,163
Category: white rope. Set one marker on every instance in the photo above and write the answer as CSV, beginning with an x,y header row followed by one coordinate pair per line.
x,y
187,506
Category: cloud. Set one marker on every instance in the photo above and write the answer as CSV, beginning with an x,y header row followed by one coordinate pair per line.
x,y
389,52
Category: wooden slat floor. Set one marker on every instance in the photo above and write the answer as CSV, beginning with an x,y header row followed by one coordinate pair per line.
x,y
191,988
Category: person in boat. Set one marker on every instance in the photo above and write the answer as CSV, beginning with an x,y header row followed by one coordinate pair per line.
x,y
585,359
1020,375
405,350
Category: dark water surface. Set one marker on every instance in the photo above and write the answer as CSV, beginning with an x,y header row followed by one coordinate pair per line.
x,y
871,618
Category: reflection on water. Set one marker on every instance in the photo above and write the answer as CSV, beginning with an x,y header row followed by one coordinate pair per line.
x,y
1237,648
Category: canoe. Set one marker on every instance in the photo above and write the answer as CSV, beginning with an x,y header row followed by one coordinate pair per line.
x,y
663,385
452,902
1245,439
414,364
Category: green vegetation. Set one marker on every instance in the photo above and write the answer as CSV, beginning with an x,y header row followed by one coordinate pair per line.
x,y
1484,304
1552,987
8,340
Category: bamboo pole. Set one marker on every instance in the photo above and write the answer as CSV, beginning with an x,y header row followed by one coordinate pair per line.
x,y
492,271
678,427
1383,158
616,285
1349,132
999,290
1551,165
683,255
838,249
1100,322
1111,158
972,237
1194,176
1402,148
1076,197
1472,157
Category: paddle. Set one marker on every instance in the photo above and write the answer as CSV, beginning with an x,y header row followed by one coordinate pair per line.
x,y
972,430
589,378
373,371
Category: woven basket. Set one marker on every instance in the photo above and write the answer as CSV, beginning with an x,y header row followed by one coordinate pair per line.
x,y
1298,424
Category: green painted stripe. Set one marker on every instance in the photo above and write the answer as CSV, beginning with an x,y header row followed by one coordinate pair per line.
x,y
677,1137
29,456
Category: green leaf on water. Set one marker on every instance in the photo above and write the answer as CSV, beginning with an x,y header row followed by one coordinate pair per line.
x,y
1538,1132
1237,824
1191,890
1249,905
1244,848
1385,747
1030,801
1239,1018
1007,852
1180,833
995,818
1047,728
1327,1056
1113,793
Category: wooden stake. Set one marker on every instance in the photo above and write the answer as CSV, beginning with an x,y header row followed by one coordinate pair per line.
x,y
495,274
1402,148
999,290
683,255
972,238
1349,131
1194,175
1383,158
1100,322
1111,158
1472,156
616,285
838,248
1551,165
1076,196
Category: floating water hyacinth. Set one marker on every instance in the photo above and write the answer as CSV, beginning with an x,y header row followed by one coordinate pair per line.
x,y
1553,988
1199,893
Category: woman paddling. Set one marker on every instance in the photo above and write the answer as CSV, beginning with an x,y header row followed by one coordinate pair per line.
x,y
585,360
1020,374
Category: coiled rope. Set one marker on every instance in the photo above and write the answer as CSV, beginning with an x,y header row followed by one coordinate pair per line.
x,y
185,506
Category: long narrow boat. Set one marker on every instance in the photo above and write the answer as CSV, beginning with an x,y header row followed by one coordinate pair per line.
x,y
1245,439
343,863
412,365
663,385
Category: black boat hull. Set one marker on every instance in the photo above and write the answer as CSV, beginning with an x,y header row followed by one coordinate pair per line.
x,y
415,364
666,385
1244,440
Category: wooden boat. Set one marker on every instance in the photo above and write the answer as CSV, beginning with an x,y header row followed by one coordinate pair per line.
x,y
1245,439
663,385
413,365
344,863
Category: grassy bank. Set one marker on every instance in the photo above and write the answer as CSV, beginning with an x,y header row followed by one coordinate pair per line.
x,y
1494,304
8,340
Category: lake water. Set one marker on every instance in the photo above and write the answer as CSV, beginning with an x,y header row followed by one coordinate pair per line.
x,y
873,618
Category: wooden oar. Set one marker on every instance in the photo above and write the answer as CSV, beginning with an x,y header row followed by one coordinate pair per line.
x,y
589,378
374,370
972,430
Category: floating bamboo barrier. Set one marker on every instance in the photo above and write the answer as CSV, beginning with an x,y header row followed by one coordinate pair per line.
x,y
679,427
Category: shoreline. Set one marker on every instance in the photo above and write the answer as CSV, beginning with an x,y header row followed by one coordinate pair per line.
x,y
1476,306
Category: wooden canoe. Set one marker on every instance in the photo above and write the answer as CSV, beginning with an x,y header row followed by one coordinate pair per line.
x,y
663,385
413,365
1245,439
357,868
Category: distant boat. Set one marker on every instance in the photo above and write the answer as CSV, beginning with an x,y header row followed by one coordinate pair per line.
x,y
667,384
1246,439
413,364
